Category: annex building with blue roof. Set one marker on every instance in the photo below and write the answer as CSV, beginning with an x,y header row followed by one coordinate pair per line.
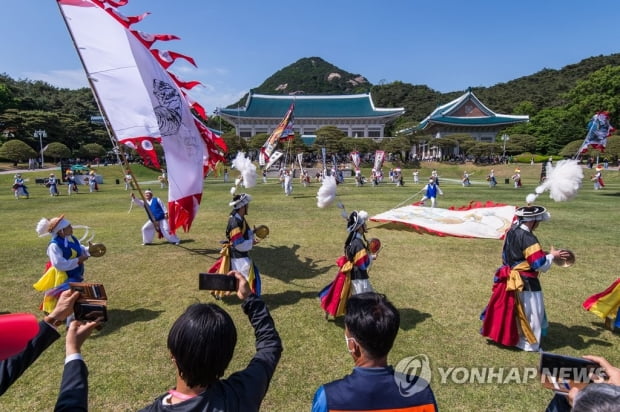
x,y
356,114
465,115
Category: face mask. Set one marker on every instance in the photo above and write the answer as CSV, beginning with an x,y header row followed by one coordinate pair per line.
x,y
347,342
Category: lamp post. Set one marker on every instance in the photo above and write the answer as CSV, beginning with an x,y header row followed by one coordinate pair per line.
x,y
505,138
41,134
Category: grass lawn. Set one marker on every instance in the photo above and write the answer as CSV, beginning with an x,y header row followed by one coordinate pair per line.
x,y
440,285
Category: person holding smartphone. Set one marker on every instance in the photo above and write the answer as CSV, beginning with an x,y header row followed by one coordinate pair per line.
x,y
202,343
601,395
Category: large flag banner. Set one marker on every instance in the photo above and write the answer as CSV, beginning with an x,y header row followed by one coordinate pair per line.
x,y
379,158
599,130
283,132
143,102
476,220
355,157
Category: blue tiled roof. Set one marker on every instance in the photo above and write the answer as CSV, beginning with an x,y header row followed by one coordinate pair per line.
x,y
443,114
268,106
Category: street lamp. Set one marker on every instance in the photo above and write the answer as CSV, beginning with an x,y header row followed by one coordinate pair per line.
x,y
41,134
505,138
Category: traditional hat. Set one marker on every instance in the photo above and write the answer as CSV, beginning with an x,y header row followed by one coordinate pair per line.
x,y
52,226
599,167
356,220
517,170
532,213
148,191
240,200
51,174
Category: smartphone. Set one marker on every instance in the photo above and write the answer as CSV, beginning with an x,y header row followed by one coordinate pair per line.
x,y
217,281
560,373
90,311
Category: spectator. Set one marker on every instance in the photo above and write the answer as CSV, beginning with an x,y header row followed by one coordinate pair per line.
x,y
202,342
13,367
371,325
73,395
601,396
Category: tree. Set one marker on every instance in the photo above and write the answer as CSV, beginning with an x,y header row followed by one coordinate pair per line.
x,y
57,151
17,151
328,137
91,151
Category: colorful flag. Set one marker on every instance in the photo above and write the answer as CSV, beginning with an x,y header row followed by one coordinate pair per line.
x,y
599,130
283,132
355,157
142,101
379,158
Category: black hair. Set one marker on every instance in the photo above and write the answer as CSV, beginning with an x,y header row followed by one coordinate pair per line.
x,y
373,321
202,341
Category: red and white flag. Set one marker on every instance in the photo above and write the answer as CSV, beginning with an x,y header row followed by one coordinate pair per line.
x,y
142,101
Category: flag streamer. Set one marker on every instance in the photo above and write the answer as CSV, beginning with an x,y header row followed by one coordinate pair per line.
x,y
142,102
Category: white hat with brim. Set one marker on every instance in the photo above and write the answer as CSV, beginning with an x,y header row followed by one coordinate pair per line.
x,y
240,200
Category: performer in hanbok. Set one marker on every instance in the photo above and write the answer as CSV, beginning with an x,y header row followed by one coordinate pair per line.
x,y
606,305
19,187
517,178
71,183
598,178
66,260
352,277
239,241
430,192
515,314
158,219
52,184
465,180
92,182
491,178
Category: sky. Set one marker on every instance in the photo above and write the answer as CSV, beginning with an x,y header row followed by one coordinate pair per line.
x,y
447,45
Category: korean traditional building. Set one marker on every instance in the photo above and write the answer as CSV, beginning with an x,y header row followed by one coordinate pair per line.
x,y
464,115
356,115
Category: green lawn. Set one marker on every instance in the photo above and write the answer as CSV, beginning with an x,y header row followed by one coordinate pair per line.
x,y
440,285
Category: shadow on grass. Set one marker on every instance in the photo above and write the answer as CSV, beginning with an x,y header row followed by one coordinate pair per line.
x,y
409,318
284,263
290,297
118,318
611,194
560,336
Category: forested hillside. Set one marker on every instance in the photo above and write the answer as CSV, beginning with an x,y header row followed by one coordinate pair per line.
x,y
559,102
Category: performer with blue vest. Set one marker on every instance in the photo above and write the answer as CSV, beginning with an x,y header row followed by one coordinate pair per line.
x,y
66,260
158,219
430,191
52,183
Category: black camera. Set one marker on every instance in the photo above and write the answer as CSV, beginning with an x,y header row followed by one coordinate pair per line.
x,y
93,301
217,281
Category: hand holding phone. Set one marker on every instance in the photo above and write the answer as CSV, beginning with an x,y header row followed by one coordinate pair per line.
x,y
561,373
217,281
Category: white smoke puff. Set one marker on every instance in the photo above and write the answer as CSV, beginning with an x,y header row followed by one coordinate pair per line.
x,y
563,181
531,198
247,169
327,192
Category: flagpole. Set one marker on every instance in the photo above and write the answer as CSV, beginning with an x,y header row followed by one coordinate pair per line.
x,y
119,151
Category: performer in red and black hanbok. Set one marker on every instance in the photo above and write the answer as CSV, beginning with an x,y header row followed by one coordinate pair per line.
x,y
352,277
515,314
240,240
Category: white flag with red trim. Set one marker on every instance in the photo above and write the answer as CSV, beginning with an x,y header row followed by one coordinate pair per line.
x,y
142,101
